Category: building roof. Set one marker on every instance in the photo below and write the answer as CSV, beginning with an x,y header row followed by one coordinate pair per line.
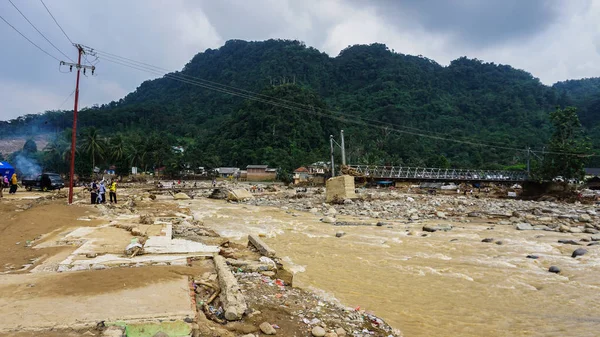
x,y
227,170
257,166
592,171
301,170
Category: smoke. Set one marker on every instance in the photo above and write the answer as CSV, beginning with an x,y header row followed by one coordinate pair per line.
x,y
27,166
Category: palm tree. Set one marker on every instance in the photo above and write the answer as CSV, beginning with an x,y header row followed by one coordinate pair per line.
x,y
117,148
92,145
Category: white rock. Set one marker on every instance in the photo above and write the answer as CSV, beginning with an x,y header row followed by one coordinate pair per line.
x,y
318,331
267,328
328,219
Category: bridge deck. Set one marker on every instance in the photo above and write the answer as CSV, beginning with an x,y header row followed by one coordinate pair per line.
x,y
424,173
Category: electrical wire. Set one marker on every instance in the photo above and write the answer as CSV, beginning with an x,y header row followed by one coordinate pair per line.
x,y
53,18
273,101
66,99
26,38
34,27
152,67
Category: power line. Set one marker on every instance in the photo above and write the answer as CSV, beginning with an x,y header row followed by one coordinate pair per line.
x,y
26,38
340,118
66,99
152,67
62,30
34,27
224,89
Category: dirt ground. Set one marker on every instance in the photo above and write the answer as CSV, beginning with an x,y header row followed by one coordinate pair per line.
x,y
29,220
88,283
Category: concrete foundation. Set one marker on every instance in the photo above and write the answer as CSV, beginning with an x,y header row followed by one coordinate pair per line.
x,y
340,188
261,246
234,303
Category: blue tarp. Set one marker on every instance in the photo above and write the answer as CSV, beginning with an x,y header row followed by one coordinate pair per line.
x,y
6,169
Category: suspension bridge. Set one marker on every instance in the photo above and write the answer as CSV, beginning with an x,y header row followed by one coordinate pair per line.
x,y
434,174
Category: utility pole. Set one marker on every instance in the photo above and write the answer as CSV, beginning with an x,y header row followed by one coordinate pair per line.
x,y
78,66
343,150
528,160
332,165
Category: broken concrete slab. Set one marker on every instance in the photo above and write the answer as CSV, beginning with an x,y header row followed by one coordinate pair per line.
x,y
234,303
262,247
239,194
251,266
340,188
166,245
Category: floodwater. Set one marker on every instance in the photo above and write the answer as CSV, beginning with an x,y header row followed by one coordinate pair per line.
x,y
445,284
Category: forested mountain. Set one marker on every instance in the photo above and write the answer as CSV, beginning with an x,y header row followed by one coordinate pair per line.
x,y
283,99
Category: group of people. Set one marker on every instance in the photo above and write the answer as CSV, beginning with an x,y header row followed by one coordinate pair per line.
x,y
98,191
6,183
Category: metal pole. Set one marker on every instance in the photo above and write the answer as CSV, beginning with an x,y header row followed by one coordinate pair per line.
x,y
332,165
343,150
74,133
528,157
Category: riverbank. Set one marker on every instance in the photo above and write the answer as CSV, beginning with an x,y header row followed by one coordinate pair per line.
x,y
66,274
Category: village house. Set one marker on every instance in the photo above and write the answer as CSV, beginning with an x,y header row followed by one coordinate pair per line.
x,y
226,172
301,175
260,173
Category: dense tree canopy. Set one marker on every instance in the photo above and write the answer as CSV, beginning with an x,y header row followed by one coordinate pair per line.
x,y
395,109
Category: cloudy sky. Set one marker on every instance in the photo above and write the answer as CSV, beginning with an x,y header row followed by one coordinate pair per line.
x,y
553,40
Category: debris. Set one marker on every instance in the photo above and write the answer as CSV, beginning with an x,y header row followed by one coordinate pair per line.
x,y
181,196
231,296
267,328
262,247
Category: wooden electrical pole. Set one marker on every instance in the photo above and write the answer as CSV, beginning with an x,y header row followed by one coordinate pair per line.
x,y
78,66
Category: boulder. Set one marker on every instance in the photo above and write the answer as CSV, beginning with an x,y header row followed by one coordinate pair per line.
x,y
575,230
328,219
340,188
474,215
339,234
340,332
564,228
267,328
239,194
318,331
440,215
569,242
554,269
524,226
579,252
438,227
181,196
595,237
584,218
331,334
488,240
414,216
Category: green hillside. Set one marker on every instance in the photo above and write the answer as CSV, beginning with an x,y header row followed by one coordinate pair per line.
x,y
395,109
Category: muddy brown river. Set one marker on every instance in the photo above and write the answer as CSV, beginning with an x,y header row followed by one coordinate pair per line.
x,y
444,284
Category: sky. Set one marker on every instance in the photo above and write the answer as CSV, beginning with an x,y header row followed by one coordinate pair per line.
x,y
553,40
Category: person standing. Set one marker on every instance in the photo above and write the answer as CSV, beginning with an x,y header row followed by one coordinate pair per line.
x,y
13,184
94,192
2,184
113,191
102,193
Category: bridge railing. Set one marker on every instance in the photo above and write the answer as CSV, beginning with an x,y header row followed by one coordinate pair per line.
x,y
399,172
